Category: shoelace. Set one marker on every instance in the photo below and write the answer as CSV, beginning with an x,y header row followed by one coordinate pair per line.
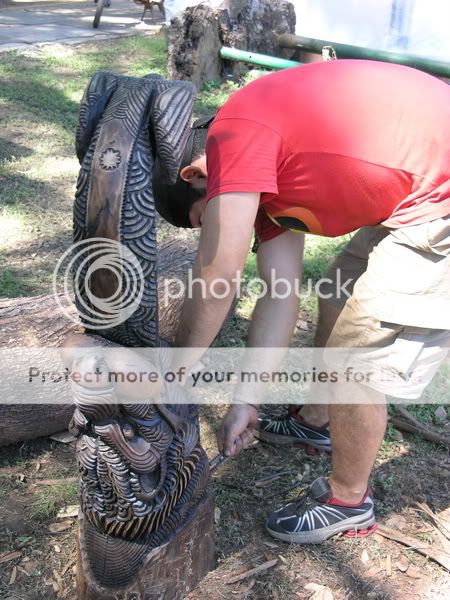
x,y
303,499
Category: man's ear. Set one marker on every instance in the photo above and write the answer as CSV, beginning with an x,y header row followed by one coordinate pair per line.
x,y
192,174
189,172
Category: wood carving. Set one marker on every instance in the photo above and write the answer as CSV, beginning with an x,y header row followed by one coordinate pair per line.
x,y
144,475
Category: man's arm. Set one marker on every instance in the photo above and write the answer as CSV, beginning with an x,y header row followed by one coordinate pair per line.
x,y
272,326
225,238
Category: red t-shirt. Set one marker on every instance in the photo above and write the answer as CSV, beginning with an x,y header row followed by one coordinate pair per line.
x,y
334,146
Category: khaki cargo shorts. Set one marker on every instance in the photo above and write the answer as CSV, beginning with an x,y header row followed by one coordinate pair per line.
x,y
396,323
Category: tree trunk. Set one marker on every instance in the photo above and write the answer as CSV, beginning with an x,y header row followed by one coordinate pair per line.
x,y
39,322
197,34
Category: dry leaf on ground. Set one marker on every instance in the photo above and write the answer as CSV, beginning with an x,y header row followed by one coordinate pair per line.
x,y
320,592
59,527
7,556
68,511
13,577
403,564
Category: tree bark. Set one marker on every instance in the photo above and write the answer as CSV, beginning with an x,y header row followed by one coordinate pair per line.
x,y
39,322
197,34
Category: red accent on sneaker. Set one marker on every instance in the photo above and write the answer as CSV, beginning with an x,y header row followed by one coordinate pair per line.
x,y
361,533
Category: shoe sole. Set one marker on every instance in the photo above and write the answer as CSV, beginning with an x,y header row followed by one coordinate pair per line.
x,y
287,440
324,533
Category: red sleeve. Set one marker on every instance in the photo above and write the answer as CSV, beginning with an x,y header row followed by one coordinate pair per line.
x,y
242,156
265,229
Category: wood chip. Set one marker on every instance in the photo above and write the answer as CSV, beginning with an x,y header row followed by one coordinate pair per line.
x,y
246,590
403,564
264,567
7,556
13,577
217,514
321,592
68,511
365,558
55,587
59,527
388,565
270,545
56,548
283,560
67,567
64,437
57,576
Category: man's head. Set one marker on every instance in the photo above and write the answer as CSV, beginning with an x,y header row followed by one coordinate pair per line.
x,y
182,204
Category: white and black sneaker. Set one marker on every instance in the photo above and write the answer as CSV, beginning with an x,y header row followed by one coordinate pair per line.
x,y
292,429
316,516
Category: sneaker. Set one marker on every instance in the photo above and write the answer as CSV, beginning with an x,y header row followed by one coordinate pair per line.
x,y
316,516
292,429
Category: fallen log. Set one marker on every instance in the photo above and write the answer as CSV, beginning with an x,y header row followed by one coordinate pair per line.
x,y
39,322
409,427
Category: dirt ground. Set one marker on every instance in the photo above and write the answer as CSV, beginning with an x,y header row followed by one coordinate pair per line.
x,y
41,547
38,478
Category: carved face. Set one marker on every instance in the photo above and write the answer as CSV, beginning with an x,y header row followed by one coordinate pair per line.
x,y
135,460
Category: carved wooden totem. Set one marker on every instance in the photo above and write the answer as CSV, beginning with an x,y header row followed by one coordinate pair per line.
x,y
146,528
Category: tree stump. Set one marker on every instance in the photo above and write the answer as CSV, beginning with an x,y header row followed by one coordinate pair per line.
x,y
197,34
171,571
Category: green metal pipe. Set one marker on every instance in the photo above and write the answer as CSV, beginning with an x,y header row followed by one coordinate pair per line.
x,y
436,67
263,60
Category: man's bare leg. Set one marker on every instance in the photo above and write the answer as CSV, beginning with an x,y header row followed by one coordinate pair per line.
x,y
317,414
357,431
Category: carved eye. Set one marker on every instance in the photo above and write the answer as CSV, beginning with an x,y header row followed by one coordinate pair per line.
x,y
128,431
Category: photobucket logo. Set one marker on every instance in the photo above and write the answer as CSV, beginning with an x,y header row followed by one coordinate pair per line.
x,y
255,288
105,278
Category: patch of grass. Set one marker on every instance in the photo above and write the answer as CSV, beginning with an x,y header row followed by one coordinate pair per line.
x,y
40,91
215,93
437,393
8,485
212,95
11,286
319,252
47,501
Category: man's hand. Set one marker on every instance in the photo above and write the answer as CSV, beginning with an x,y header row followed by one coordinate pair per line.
x,y
238,428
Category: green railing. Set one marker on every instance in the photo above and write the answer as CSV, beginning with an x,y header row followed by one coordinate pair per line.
x,y
435,67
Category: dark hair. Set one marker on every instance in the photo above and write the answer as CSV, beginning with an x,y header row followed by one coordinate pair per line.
x,y
199,143
174,202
